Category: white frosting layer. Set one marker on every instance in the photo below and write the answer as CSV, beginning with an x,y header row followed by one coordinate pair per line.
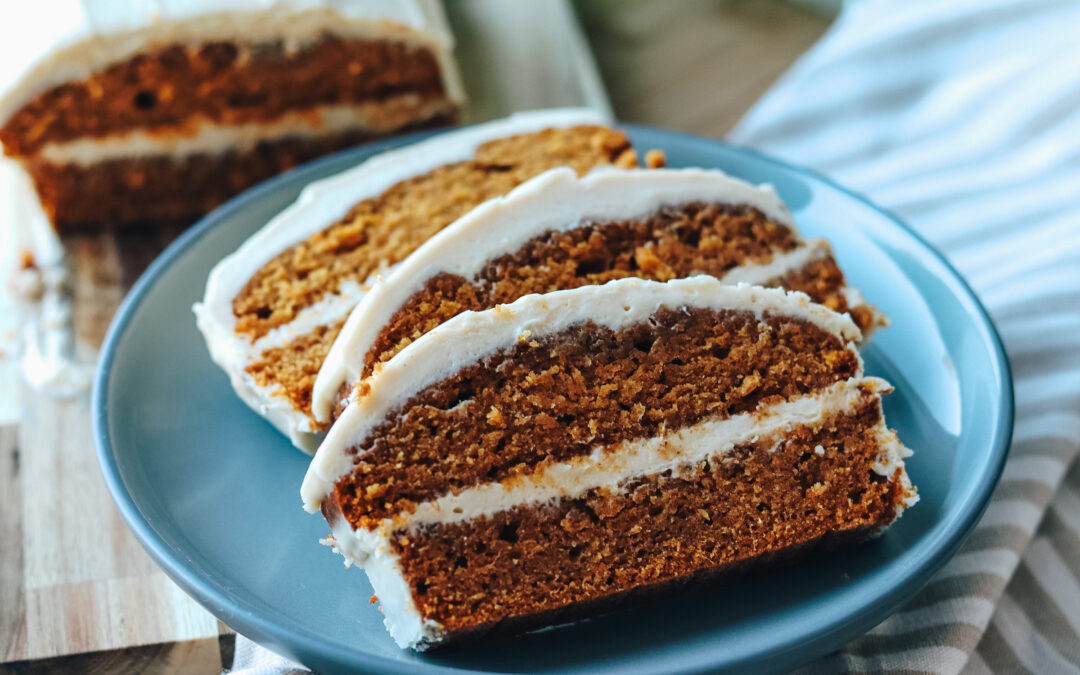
x,y
320,205
375,117
608,467
48,42
557,200
604,468
383,568
472,336
38,298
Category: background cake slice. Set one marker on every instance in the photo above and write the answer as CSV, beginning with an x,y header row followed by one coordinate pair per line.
x,y
546,459
125,111
273,308
561,231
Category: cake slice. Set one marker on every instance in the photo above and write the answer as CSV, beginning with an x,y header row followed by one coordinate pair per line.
x,y
546,459
273,308
561,231
125,111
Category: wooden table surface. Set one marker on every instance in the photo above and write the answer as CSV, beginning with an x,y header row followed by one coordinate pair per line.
x,y
77,592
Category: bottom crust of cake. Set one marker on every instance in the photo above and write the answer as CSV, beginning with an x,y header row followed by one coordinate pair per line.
x,y
163,189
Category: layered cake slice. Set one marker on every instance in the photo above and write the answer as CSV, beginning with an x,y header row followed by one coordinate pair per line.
x,y
273,308
561,231
125,111
547,459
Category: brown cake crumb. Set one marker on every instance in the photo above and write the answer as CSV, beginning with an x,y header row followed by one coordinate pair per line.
x,y
165,189
563,395
757,499
221,82
674,242
385,229
295,365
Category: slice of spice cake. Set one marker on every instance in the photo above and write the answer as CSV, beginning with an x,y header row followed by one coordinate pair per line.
x,y
559,231
546,459
126,111
273,308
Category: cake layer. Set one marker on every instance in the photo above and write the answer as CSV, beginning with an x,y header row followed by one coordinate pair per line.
x,y
384,229
560,231
160,188
173,90
394,114
584,388
666,452
472,337
55,42
310,265
620,463
758,498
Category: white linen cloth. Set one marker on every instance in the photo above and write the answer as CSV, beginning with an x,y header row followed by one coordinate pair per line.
x,y
963,118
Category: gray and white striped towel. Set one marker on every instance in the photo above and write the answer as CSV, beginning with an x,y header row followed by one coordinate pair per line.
x,y
963,118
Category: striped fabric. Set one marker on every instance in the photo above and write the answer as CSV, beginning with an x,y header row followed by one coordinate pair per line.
x,y
963,118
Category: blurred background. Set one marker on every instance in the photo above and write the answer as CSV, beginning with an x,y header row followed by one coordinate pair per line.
x,y
697,65
961,117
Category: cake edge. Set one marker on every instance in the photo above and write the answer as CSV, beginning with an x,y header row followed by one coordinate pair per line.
x,y
470,336
318,206
552,201
105,34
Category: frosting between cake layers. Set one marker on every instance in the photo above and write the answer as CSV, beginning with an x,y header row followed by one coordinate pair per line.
x,y
213,138
556,200
57,41
604,468
383,569
610,466
472,336
278,409
319,205
805,253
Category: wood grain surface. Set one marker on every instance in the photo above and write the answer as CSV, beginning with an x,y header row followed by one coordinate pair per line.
x,y
77,592
73,580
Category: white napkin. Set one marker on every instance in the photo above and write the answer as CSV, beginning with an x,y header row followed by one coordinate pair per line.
x,y
963,118
251,659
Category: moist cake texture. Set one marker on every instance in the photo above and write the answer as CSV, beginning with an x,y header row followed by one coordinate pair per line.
x,y
161,112
553,457
273,308
561,231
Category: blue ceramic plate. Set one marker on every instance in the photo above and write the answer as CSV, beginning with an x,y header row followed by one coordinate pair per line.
x,y
212,491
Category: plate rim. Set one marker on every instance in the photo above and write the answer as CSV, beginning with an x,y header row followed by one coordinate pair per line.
x,y
245,618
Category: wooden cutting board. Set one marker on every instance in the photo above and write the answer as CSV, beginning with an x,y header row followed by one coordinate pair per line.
x,y
77,592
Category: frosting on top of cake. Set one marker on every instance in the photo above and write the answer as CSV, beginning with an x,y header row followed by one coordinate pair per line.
x,y
556,200
472,336
320,205
48,42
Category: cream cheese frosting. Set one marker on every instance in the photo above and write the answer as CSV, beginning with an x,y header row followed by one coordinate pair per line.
x,y
472,336
38,296
604,468
557,200
608,467
320,205
213,138
49,42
